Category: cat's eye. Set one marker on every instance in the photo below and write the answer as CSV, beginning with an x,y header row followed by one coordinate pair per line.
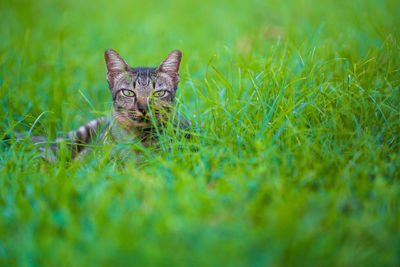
x,y
128,93
159,93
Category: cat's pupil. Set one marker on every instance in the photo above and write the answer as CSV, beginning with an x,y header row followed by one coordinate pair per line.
x,y
159,93
127,92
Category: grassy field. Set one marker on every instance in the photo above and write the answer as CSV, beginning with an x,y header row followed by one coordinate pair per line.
x,y
294,155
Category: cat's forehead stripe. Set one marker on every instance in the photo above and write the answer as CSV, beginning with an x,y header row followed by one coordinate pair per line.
x,y
144,75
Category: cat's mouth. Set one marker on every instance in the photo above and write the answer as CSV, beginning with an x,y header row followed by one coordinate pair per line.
x,y
135,120
145,118
142,122
139,118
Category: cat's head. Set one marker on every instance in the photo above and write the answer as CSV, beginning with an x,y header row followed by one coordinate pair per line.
x,y
141,92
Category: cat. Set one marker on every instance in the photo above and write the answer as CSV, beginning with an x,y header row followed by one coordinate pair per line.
x,y
143,99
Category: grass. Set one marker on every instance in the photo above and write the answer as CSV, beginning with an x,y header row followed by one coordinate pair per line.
x,y
294,156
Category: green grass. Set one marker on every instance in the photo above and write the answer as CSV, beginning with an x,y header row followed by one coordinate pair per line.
x,y
294,156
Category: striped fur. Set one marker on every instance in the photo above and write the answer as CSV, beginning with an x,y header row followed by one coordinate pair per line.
x,y
140,96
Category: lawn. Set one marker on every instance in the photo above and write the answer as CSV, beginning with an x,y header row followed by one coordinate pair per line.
x,y
294,156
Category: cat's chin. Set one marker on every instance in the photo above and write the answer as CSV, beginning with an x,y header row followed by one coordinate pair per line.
x,y
133,125
142,124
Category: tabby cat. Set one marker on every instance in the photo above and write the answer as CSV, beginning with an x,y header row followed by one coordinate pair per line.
x,y
142,103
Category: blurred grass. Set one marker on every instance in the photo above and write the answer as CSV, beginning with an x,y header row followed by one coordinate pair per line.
x,y
295,151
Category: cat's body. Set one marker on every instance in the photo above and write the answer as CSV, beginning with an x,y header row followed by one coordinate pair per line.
x,y
142,105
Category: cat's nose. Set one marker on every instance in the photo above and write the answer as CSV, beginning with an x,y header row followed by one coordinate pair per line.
x,y
142,105
142,110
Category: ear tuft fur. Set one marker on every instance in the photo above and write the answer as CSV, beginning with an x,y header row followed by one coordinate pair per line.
x,y
115,64
171,63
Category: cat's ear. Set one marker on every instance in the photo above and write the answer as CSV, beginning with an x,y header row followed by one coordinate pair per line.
x,y
170,65
115,65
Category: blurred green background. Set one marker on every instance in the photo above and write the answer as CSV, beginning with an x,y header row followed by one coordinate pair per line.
x,y
294,157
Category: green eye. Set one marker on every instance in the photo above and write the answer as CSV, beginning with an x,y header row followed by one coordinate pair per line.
x,y
159,93
128,93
